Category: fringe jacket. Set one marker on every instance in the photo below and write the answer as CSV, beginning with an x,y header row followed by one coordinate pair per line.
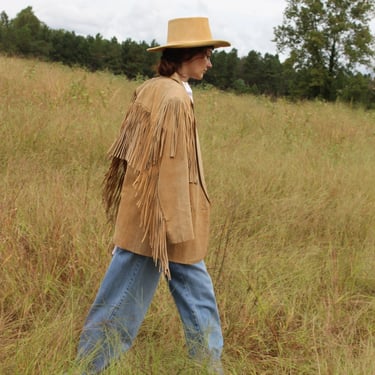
x,y
155,186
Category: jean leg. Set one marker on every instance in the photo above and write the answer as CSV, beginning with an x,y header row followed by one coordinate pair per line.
x,y
193,293
119,308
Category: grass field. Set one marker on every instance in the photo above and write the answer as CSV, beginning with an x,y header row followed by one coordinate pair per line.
x,y
292,251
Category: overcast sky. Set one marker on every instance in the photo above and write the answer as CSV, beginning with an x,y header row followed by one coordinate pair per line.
x,y
248,25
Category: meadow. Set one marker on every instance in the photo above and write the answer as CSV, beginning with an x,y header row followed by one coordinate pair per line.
x,y
292,231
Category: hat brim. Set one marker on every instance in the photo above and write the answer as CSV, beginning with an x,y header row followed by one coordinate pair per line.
x,y
200,43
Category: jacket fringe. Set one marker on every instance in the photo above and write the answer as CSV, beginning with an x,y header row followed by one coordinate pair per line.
x,y
141,146
113,181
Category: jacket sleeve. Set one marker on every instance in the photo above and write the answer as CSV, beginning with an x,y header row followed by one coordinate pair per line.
x,y
174,180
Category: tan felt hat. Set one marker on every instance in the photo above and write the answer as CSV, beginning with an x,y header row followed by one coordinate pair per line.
x,y
189,32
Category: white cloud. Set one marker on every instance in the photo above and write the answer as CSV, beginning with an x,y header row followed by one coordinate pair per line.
x,y
248,25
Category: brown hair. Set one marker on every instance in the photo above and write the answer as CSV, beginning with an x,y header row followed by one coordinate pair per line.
x,y
172,58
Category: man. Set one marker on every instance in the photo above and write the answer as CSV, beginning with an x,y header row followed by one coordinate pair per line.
x,y
155,189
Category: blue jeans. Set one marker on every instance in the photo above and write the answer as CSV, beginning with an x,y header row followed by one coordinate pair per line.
x,y
124,298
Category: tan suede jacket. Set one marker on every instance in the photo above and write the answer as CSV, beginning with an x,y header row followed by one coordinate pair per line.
x,y
163,209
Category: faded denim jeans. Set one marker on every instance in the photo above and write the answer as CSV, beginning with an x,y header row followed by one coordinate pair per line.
x,y
124,298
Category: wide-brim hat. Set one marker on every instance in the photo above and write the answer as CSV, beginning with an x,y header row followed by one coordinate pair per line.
x,y
188,33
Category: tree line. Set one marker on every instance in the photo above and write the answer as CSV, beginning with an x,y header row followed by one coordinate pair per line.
x,y
320,64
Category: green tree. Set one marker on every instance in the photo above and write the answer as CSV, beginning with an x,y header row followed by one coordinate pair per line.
x,y
69,48
5,37
325,37
226,70
358,89
31,37
112,60
97,52
272,72
262,74
252,70
134,59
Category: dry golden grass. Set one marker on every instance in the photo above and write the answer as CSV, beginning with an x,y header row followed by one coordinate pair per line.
x,y
293,227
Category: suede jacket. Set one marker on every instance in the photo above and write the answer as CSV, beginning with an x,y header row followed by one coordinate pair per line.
x,y
155,186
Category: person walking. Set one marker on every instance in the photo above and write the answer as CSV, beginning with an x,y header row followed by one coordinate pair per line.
x,y
156,192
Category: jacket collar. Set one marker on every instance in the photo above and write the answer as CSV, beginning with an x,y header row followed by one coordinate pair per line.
x,y
176,78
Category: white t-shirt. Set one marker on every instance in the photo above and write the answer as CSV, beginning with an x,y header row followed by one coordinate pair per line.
x,y
188,89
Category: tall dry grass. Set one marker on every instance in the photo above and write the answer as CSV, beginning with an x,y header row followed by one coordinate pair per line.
x,y
293,235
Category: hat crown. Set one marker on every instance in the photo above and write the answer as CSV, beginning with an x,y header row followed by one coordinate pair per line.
x,y
182,30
